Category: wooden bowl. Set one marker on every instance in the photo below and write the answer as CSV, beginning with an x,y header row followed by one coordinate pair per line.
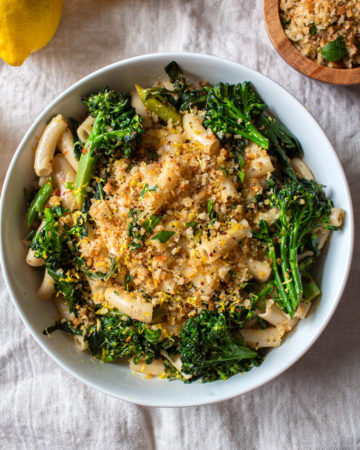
x,y
287,50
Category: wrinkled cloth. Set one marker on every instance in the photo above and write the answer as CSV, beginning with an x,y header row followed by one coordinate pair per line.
x,y
313,405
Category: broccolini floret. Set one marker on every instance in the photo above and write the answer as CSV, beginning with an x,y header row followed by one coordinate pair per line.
x,y
210,351
117,128
303,208
231,110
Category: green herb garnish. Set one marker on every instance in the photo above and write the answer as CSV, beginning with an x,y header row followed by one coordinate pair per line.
x,y
334,50
150,223
312,29
163,236
146,189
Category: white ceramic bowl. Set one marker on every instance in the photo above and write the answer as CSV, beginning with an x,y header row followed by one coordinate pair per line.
x,y
118,380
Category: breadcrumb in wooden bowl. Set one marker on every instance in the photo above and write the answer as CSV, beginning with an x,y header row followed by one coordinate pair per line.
x,y
341,71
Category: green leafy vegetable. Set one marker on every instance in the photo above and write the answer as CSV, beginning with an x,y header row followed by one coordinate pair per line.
x,y
241,175
312,29
226,172
117,128
70,288
176,75
146,189
157,105
303,207
57,247
163,236
127,282
209,208
36,207
231,110
282,143
150,223
115,335
210,351
334,50
191,224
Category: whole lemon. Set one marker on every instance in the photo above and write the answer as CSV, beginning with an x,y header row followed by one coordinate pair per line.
x,y
26,26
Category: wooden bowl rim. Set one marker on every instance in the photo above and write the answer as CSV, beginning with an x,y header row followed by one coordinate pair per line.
x,y
292,56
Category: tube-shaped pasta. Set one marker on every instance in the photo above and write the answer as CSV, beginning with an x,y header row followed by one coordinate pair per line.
x,y
259,166
195,130
85,128
167,180
336,218
66,147
252,188
135,307
222,244
302,310
45,150
323,235
140,109
260,270
206,278
63,173
228,191
156,368
171,146
258,338
176,362
101,212
269,216
42,181
301,169
80,343
304,255
168,329
31,259
63,307
46,289
276,317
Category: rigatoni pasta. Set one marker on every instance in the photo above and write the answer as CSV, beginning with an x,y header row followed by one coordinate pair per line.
x,y
45,150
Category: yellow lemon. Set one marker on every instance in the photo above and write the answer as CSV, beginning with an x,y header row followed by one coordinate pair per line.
x,y
26,26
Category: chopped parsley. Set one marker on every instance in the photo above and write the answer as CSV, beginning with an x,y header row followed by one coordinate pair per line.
x,y
312,29
163,236
226,172
241,175
146,189
334,50
127,282
210,209
191,224
150,223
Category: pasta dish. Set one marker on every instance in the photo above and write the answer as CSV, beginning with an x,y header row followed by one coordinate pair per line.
x,y
177,227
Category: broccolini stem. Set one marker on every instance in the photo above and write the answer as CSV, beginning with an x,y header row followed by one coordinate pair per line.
x,y
293,258
278,280
288,280
311,289
254,135
36,207
159,108
86,167
267,290
87,163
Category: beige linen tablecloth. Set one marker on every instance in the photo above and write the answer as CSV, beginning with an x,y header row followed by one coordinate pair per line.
x,y
315,404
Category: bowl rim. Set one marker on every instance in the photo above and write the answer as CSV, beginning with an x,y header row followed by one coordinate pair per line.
x,y
296,59
169,56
